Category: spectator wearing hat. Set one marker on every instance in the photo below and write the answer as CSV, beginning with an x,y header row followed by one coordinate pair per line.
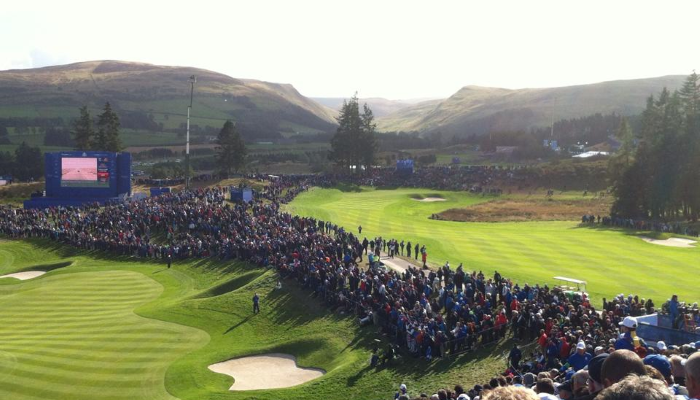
x,y
661,347
628,326
580,359
663,365
529,380
595,381
403,391
692,376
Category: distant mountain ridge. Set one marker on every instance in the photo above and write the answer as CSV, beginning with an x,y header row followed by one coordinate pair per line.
x,y
267,108
380,106
479,110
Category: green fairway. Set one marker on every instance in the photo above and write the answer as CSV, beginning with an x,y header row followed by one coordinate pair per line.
x,y
115,328
612,261
83,325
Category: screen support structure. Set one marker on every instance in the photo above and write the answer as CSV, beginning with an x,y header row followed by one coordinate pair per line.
x,y
193,80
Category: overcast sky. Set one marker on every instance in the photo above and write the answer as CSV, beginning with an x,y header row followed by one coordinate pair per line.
x,y
392,49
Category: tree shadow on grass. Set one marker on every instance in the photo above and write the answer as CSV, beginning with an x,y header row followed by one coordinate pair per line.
x,y
630,231
207,264
241,322
347,187
387,187
48,267
231,285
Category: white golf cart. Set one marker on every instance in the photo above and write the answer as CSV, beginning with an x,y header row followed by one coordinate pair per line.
x,y
571,288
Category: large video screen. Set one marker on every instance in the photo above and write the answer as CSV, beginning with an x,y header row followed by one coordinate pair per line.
x,y
89,172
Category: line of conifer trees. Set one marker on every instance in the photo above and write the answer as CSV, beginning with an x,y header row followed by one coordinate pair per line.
x,y
105,138
660,180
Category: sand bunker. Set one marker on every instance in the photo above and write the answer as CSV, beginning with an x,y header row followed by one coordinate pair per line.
x,y
430,199
672,242
266,371
23,276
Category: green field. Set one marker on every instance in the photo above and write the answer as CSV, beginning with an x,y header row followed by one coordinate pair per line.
x,y
612,261
116,328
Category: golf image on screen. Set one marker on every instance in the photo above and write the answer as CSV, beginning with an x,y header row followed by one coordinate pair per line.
x,y
82,172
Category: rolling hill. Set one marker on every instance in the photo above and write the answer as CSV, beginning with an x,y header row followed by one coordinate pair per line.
x,y
161,94
379,106
478,110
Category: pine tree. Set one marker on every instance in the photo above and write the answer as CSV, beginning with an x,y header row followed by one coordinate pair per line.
x,y
28,162
368,138
690,97
626,137
82,130
620,162
231,152
107,138
354,143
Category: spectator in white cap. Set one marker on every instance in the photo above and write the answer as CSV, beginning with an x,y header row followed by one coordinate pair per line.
x,y
580,359
661,347
598,350
403,391
628,326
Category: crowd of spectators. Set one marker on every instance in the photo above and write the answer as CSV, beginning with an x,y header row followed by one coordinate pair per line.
x,y
476,179
427,313
610,374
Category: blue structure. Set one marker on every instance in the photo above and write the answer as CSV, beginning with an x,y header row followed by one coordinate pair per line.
x,y
552,144
241,194
656,327
74,178
404,166
157,191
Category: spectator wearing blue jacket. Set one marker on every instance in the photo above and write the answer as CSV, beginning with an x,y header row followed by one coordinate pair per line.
x,y
580,359
673,310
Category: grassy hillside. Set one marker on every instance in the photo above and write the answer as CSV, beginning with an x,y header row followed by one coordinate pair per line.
x,y
475,109
108,328
161,94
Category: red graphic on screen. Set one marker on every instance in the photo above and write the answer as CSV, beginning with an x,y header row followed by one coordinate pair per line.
x,y
79,169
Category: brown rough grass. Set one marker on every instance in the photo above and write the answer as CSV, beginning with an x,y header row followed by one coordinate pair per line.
x,y
515,210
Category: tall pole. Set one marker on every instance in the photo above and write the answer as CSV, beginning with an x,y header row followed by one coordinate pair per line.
x,y
554,104
193,79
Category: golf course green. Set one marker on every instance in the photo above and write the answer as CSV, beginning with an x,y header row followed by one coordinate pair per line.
x,y
97,326
612,261
103,327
